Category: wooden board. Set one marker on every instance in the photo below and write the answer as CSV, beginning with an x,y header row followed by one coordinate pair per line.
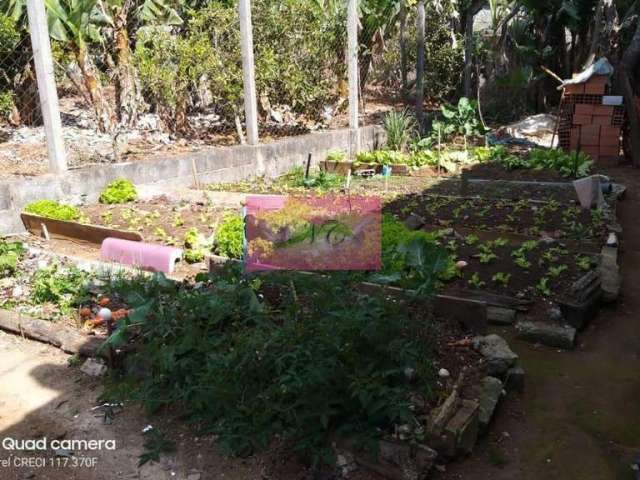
x,y
74,230
66,338
492,299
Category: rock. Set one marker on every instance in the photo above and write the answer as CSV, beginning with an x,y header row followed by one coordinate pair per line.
x,y
194,476
501,315
610,279
444,373
489,398
515,379
555,315
462,430
497,353
552,335
414,222
400,461
93,368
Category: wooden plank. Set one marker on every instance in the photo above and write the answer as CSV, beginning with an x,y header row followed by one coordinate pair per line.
x,y
493,299
76,231
470,313
66,338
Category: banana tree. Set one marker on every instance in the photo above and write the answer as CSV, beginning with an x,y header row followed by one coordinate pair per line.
x,y
77,23
125,14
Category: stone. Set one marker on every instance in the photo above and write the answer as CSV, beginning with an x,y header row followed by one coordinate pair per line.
x,y
194,476
610,278
463,428
497,353
491,391
552,335
555,315
93,368
515,379
444,373
501,315
414,222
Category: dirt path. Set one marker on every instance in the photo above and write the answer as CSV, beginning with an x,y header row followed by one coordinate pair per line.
x,y
41,396
579,417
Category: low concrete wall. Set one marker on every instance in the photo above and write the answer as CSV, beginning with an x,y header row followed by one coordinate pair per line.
x,y
219,164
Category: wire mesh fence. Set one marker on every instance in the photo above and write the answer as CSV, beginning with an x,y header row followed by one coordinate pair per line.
x,y
138,77
19,104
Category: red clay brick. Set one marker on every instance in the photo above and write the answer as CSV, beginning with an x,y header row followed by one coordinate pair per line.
x,y
609,141
609,150
601,120
598,80
590,130
603,110
584,109
574,89
582,119
594,89
610,131
589,140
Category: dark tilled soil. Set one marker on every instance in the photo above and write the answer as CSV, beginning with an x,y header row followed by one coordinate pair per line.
x,y
556,264
157,220
579,417
523,217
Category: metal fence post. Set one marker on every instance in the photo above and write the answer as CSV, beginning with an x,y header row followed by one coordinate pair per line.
x,y
46,85
248,72
352,62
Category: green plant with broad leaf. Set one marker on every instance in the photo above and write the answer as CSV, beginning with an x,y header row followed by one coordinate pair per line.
x,y
400,127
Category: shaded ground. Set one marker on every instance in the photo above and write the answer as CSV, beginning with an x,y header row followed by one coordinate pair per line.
x,y
579,417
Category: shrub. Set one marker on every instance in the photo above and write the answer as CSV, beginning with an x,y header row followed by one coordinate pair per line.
x,y
10,254
52,209
62,286
400,127
336,156
229,237
325,363
119,191
6,105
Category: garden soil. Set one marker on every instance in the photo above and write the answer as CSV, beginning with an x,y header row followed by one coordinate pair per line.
x,y
579,417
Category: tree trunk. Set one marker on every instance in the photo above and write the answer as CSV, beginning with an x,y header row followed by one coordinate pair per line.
x,y
628,69
403,48
420,27
102,110
127,95
469,17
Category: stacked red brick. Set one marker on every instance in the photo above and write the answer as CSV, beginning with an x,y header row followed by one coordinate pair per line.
x,y
587,124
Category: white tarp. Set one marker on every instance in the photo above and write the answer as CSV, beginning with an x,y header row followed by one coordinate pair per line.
x,y
601,67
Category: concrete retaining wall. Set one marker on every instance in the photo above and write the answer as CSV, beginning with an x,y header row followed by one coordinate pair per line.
x,y
219,164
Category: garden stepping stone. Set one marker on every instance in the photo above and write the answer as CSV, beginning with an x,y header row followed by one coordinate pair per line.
x,y
500,358
552,335
489,398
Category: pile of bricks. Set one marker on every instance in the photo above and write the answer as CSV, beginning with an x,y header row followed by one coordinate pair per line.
x,y
588,123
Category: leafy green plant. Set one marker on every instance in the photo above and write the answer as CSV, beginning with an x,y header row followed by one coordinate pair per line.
x,y
52,209
542,287
584,262
461,119
119,191
324,363
62,286
196,246
10,254
501,278
522,262
471,239
400,127
555,272
574,164
336,156
475,281
229,237
320,181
